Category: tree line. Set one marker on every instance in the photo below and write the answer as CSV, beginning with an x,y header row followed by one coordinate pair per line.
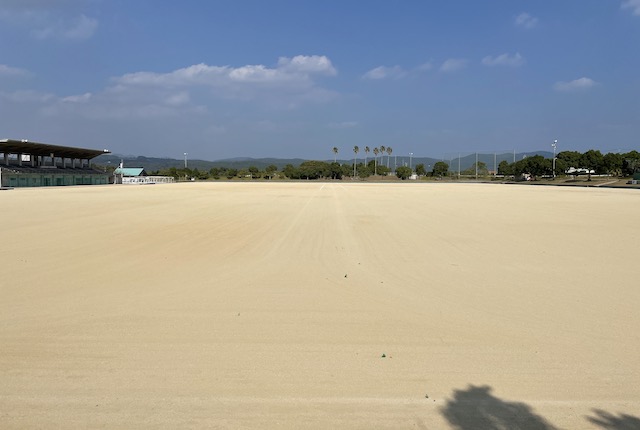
x,y
592,161
306,170
615,164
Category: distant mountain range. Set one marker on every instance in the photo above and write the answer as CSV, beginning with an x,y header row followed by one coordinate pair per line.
x,y
151,164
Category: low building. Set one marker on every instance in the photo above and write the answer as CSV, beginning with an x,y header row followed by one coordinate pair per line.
x,y
137,175
32,164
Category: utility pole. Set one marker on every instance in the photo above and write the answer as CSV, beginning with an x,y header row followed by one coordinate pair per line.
x,y
554,144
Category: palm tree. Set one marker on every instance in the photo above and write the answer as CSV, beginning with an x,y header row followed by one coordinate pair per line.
x,y
366,151
382,150
376,151
335,154
389,151
355,158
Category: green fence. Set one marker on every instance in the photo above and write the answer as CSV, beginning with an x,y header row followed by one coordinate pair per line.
x,y
40,180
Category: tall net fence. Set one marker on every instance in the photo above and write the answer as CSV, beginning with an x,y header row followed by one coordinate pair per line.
x,y
479,163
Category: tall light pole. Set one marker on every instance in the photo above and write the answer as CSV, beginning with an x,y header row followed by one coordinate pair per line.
x,y
554,144
410,156
495,164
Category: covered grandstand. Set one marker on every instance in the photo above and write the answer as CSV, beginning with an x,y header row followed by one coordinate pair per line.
x,y
32,164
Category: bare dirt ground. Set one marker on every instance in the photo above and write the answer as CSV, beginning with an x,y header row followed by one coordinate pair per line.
x,y
320,305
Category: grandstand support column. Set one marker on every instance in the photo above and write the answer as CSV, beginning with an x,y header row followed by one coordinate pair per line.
x,y
20,159
6,158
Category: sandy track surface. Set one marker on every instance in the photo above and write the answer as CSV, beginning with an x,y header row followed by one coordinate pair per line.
x,y
320,305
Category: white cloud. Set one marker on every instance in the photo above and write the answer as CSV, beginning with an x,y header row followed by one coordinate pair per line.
x,y
256,74
12,71
453,65
82,28
307,64
525,20
105,107
178,99
383,72
396,72
581,84
193,90
291,75
634,5
192,75
424,67
82,98
504,60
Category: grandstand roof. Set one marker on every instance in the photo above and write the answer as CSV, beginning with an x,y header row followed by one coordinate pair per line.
x,y
12,146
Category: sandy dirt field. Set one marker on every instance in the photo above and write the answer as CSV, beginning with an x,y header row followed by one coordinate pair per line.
x,y
320,305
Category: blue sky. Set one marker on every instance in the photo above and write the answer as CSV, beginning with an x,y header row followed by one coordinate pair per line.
x,y
285,78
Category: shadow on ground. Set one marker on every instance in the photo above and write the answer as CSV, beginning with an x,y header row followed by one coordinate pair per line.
x,y
477,409
614,422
